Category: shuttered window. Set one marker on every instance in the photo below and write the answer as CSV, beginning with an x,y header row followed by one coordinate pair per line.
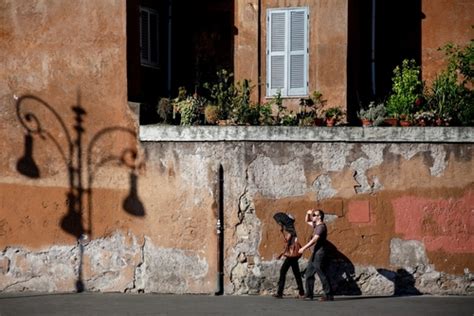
x,y
287,51
148,37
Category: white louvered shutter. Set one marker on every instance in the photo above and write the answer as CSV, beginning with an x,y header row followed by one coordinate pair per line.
x,y
276,52
298,53
287,51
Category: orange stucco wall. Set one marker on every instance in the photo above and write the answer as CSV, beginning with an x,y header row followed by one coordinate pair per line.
x,y
444,21
327,46
55,56
64,54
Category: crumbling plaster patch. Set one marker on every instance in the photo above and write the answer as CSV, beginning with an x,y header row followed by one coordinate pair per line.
x,y
166,270
110,262
437,152
332,157
323,187
50,270
374,157
407,253
245,254
114,263
277,181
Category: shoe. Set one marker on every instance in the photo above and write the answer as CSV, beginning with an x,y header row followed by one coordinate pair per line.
x,y
301,297
307,298
326,298
277,296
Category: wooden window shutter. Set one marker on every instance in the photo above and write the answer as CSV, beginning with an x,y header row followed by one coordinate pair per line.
x,y
276,52
298,53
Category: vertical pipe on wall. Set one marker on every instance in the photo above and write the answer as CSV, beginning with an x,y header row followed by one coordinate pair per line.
x,y
220,233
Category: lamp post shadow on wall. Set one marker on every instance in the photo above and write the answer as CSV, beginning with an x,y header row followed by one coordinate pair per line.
x,y
73,222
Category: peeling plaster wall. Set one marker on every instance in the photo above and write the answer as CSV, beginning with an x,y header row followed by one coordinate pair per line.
x,y
400,215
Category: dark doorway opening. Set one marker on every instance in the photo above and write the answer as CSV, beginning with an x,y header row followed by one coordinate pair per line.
x,y
381,34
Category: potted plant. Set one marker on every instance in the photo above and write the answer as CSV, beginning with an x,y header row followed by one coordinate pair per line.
x,y
190,108
222,94
405,120
407,88
333,115
164,109
211,114
311,110
452,93
424,118
374,115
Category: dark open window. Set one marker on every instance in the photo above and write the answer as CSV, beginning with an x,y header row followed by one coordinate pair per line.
x,y
175,43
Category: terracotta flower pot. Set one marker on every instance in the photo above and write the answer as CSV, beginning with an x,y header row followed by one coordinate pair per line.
x,y
366,122
405,123
318,121
440,122
330,122
391,121
422,122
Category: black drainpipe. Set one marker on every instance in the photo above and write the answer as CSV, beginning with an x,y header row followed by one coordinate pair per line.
x,y
220,234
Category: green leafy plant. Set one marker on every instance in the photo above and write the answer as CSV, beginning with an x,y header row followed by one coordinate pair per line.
x,y
333,113
444,95
406,89
265,114
188,107
375,113
222,93
242,112
451,95
289,119
278,101
311,109
461,59
164,109
211,114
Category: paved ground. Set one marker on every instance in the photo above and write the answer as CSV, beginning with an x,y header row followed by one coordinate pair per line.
x,y
149,304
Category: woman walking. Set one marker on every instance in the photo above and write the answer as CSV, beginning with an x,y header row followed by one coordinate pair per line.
x,y
291,254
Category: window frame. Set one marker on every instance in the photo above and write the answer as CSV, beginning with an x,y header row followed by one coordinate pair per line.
x,y
286,91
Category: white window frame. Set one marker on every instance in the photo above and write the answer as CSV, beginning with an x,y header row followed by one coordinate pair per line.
x,y
145,57
287,53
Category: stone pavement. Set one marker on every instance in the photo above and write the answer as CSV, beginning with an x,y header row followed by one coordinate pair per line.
x,y
154,304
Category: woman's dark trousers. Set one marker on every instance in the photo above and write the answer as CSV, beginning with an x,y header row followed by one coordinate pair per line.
x,y
293,263
314,266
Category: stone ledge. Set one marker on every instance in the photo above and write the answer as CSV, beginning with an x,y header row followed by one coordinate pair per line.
x,y
170,133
